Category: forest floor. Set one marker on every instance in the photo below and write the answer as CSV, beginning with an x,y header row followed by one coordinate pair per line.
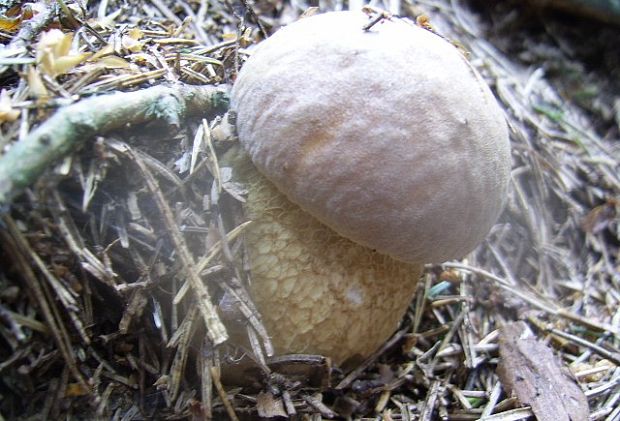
x,y
100,235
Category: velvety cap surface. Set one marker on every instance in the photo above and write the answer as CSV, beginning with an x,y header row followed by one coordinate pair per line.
x,y
388,136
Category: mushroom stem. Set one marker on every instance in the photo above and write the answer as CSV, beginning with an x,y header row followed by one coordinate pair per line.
x,y
318,292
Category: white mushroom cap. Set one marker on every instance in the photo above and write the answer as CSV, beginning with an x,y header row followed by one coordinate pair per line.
x,y
388,136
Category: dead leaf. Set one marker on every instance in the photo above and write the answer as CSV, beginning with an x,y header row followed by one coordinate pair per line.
x,y
530,371
107,22
54,55
35,84
600,218
10,24
106,58
115,62
131,41
7,112
76,389
12,19
104,51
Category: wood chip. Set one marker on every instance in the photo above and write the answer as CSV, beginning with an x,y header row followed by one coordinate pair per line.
x,y
529,370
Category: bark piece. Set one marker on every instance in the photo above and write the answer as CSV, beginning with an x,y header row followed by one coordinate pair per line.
x,y
531,372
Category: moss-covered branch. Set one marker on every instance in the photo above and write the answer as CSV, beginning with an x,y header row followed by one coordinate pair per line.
x,y
72,125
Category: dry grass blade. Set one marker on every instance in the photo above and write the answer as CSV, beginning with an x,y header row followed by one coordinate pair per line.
x,y
210,256
15,244
217,248
431,399
177,370
539,302
215,375
512,415
71,235
215,328
206,380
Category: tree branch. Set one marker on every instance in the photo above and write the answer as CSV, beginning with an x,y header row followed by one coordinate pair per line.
x,y
57,137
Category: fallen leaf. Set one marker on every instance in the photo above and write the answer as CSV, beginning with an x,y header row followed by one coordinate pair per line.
x,y
10,24
35,84
7,112
104,51
54,55
108,62
600,218
12,19
310,11
76,389
130,41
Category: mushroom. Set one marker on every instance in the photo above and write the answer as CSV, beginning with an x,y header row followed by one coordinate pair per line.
x,y
381,149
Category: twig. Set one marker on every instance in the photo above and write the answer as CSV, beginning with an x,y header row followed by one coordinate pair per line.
x,y
493,398
613,356
316,402
431,399
26,161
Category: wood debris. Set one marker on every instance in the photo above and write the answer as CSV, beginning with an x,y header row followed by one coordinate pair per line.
x,y
529,370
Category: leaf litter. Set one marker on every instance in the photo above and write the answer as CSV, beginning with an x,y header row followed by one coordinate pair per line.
x,y
103,258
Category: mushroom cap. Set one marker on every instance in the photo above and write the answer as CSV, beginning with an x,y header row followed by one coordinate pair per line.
x,y
388,136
